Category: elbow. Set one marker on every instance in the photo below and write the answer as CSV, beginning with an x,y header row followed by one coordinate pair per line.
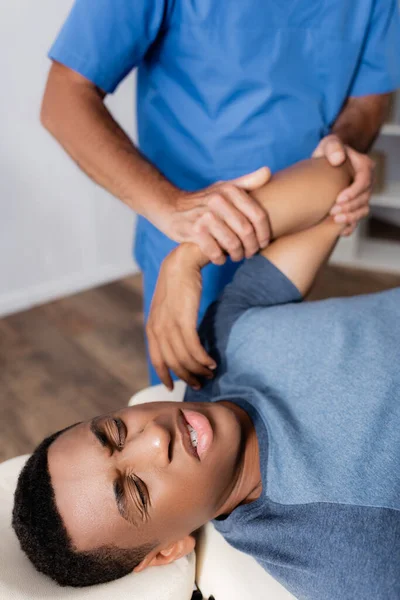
x,y
52,103
50,114
45,119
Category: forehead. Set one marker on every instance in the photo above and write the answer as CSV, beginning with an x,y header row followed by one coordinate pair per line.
x,y
82,477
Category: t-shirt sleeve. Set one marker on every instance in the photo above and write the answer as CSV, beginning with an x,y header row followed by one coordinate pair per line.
x,y
257,283
379,68
104,40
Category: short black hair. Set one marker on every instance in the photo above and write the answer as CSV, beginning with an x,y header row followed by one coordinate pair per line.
x,y
45,540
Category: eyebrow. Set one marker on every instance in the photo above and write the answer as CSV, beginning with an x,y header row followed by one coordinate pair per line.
x,y
120,501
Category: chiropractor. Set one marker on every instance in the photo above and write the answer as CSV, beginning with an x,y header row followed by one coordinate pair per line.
x,y
224,88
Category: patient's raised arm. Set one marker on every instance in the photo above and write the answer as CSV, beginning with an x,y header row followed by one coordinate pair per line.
x,y
302,195
300,255
296,200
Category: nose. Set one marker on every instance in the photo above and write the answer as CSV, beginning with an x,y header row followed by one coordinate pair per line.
x,y
148,448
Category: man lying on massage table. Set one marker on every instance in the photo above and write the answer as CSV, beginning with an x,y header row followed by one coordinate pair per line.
x,y
292,444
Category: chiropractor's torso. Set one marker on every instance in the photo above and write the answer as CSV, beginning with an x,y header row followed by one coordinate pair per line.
x,y
225,87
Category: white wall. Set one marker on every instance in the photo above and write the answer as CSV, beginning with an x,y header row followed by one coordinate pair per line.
x,y
59,233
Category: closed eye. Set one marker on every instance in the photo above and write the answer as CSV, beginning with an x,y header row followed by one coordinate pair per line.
x,y
139,498
110,432
142,491
100,435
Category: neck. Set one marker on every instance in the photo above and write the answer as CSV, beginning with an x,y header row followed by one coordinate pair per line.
x,y
248,485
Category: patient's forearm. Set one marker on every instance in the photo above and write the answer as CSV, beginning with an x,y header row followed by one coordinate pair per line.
x,y
300,255
302,195
296,199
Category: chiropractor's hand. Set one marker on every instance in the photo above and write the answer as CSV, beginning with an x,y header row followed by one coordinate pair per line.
x,y
171,327
222,219
352,204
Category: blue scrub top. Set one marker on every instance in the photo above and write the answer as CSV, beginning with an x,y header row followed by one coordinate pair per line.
x,y
226,86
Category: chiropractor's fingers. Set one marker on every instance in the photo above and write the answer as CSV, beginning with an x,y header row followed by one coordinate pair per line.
x,y
255,230
253,181
248,206
211,223
348,207
225,208
362,184
352,217
352,203
364,173
207,244
332,148
349,230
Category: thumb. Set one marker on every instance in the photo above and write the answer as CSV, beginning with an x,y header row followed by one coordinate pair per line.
x,y
332,148
254,180
319,150
335,152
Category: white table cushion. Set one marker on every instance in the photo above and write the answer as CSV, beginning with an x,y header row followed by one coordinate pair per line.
x,y
221,570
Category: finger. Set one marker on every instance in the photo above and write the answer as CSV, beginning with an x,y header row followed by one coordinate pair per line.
x,y
349,230
195,348
362,183
355,204
224,236
353,217
235,220
208,245
184,357
173,363
320,149
334,151
252,211
158,361
254,180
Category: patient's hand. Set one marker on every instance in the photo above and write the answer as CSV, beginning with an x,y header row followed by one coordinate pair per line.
x,y
171,328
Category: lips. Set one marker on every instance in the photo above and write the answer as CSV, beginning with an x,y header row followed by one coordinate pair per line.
x,y
183,428
204,431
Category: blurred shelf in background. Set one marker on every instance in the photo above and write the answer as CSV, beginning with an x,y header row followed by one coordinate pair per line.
x,y
376,242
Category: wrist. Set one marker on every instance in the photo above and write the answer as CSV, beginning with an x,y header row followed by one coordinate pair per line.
x,y
189,255
162,207
342,136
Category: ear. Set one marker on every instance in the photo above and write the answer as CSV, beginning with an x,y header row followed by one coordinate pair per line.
x,y
168,555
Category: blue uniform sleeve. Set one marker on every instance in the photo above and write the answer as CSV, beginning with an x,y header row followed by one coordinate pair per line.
x,y
104,40
379,68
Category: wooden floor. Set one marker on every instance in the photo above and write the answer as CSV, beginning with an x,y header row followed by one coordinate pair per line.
x,y
84,355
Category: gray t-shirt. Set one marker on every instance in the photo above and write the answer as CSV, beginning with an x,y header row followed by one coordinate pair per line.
x,y
321,382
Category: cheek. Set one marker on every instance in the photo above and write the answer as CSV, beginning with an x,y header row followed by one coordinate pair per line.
x,y
181,506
